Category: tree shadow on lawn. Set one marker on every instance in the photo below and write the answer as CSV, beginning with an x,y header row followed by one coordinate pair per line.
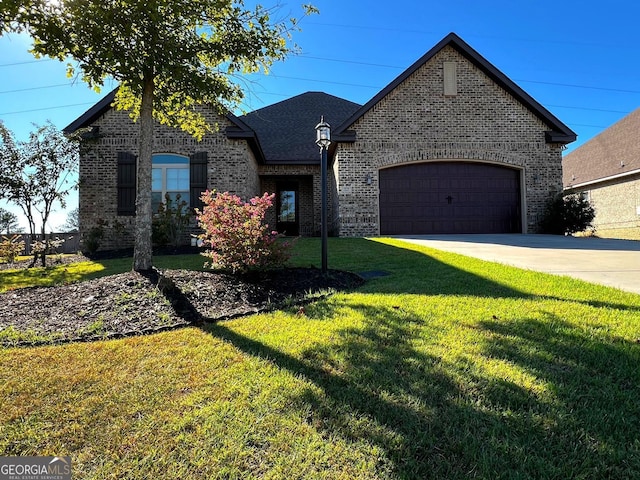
x,y
416,272
387,383
434,418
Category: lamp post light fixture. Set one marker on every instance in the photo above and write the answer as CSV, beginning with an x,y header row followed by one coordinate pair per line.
x,y
323,140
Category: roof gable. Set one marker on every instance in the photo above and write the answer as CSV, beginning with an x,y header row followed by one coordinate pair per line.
x,y
614,152
559,132
237,130
91,115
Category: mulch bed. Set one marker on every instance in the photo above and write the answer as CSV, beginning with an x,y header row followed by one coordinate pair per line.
x,y
133,303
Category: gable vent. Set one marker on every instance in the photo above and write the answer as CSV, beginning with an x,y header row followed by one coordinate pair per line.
x,y
450,79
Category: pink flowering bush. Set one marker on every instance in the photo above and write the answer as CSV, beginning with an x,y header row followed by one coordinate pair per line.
x,y
236,235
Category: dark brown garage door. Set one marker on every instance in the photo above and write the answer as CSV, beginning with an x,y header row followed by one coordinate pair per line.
x,y
449,197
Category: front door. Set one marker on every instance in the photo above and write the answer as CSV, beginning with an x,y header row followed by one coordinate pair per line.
x,y
287,222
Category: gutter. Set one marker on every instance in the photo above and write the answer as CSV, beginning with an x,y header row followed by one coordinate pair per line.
x,y
604,179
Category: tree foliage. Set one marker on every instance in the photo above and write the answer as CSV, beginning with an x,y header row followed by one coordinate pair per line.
x,y
38,174
169,56
8,221
567,214
72,223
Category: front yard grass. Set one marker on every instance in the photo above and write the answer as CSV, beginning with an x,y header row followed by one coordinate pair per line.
x,y
74,272
447,367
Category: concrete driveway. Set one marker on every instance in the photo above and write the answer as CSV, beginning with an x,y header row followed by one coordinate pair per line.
x,y
615,263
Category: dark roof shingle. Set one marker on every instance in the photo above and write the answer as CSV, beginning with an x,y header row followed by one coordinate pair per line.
x,y
286,130
614,151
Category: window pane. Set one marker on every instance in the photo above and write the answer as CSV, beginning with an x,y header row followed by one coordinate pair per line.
x,y
287,206
178,179
178,197
156,179
156,198
168,159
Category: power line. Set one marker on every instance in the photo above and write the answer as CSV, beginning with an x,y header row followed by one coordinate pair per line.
x,y
48,108
323,81
27,62
36,88
589,109
353,62
428,32
619,90
583,125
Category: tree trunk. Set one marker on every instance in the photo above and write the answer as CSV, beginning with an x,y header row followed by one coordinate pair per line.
x,y
45,246
142,252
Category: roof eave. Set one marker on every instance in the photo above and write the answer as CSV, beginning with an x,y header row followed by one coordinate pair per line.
x,y
91,115
558,137
346,136
609,178
241,131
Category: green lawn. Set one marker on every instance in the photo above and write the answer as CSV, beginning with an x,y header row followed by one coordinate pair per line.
x,y
67,273
447,367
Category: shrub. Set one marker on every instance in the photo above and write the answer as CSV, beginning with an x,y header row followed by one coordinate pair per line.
x,y
10,248
170,221
119,233
48,246
567,214
236,234
94,236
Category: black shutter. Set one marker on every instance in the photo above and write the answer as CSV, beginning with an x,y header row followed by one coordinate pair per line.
x,y
126,183
197,178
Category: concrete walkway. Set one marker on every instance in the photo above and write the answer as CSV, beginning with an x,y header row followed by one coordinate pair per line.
x,y
615,263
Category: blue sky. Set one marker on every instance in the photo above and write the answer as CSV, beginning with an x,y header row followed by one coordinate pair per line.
x,y
581,60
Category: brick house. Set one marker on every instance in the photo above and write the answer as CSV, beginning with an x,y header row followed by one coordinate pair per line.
x,y
607,170
450,146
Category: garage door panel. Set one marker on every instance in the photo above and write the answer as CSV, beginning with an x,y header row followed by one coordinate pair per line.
x,y
449,197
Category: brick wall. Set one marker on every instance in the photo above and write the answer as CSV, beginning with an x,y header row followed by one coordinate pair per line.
x,y
616,203
231,167
416,122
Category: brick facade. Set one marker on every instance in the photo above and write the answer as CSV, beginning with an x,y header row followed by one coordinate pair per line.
x,y
231,167
475,114
416,122
616,203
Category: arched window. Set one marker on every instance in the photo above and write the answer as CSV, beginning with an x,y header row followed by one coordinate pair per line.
x,y
170,176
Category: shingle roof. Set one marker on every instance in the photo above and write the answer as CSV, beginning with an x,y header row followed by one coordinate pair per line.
x,y
558,133
614,152
286,130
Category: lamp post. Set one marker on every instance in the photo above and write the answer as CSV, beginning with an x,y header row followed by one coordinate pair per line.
x,y
323,140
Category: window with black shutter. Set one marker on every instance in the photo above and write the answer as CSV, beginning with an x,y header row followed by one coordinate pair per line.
x,y
198,178
163,177
126,183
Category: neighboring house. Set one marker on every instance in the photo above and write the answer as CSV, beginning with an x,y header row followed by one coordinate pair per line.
x,y
607,170
450,146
